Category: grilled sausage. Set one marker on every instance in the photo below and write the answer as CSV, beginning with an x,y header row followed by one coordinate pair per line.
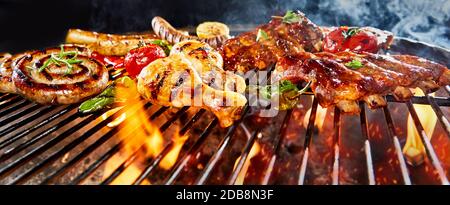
x,y
7,62
57,84
107,44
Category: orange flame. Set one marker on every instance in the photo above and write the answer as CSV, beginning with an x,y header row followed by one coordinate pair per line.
x,y
320,117
256,148
414,150
142,139
171,158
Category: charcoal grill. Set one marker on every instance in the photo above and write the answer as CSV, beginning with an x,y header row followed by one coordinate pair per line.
x,y
56,145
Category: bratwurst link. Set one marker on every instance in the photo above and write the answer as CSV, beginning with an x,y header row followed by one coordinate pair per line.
x,y
59,75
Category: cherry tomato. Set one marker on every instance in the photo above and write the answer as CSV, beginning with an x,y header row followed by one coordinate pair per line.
x,y
334,41
362,41
114,61
138,58
357,41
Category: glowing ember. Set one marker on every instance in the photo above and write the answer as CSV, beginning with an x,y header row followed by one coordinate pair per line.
x,y
414,150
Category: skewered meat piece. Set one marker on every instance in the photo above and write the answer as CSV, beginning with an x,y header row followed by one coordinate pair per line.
x,y
173,81
279,39
209,64
335,83
45,77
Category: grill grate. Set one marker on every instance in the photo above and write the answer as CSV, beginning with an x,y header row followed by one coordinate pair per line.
x,y
33,131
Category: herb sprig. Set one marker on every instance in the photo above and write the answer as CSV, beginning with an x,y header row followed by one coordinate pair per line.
x,y
261,35
62,58
350,32
354,64
161,43
290,17
287,92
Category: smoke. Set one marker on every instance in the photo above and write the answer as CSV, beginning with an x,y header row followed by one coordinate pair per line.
x,y
427,21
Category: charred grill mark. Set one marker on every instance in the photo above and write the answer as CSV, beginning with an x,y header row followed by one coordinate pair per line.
x,y
71,88
47,75
157,87
186,45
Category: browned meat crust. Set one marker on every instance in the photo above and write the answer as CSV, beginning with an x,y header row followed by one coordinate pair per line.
x,y
54,85
334,83
244,52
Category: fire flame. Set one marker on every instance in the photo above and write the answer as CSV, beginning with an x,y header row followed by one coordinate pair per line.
x,y
320,117
414,150
171,158
256,148
141,139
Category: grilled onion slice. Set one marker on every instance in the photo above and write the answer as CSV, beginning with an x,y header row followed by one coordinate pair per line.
x,y
58,82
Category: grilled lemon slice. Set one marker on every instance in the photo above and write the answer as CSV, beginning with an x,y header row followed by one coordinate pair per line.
x,y
212,29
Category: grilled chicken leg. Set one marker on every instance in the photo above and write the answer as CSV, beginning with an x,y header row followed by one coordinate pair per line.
x,y
209,64
174,81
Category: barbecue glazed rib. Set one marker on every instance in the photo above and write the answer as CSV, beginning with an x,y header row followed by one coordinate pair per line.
x,y
173,81
335,83
245,53
57,82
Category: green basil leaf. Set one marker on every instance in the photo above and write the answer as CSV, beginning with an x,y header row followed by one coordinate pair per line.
x,y
350,32
354,64
95,104
163,44
261,35
291,17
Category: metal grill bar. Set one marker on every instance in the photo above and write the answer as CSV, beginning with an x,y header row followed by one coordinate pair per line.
x,y
275,150
88,150
21,107
176,170
398,149
308,136
121,167
444,122
23,122
131,158
242,158
114,150
5,96
226,140
428,147
35,127
22,104
69,146
441,101
337,134
168,147
367,148
191,122
36,151
20,114
8,102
